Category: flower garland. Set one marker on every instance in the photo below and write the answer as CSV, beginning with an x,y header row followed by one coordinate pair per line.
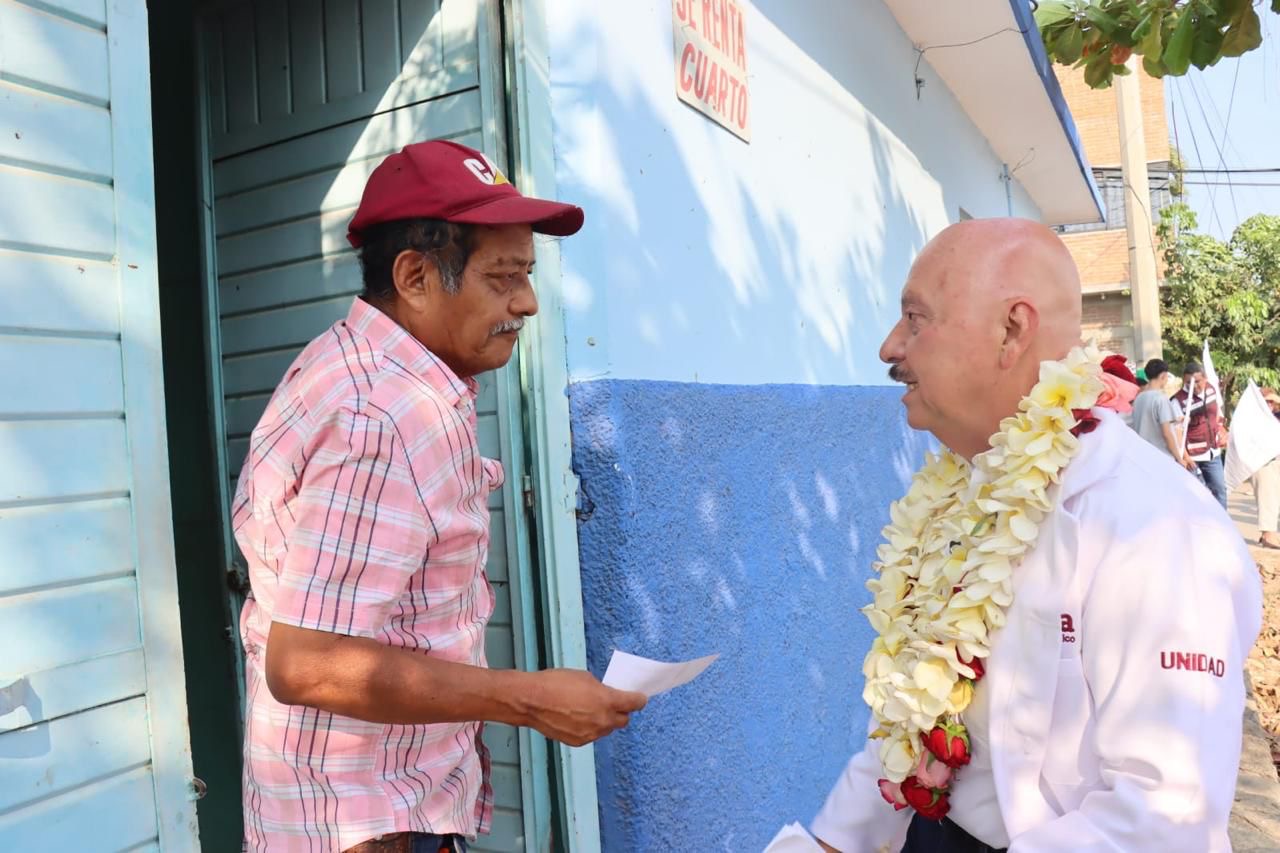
x,y
946,578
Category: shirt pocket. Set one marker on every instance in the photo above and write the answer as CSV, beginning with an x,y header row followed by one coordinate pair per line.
x,y
1070,758
494,475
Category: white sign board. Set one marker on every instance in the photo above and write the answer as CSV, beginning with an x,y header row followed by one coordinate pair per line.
x,y
711,61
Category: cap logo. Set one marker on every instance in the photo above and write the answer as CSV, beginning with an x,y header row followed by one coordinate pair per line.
x,y
485,171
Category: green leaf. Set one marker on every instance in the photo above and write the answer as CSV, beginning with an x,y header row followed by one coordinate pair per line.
x,y
1069,44
1153,66
1143,27
1102,20
1053,12
1275,6
1207,48
1177,54
1152,43
1244,35
1097,73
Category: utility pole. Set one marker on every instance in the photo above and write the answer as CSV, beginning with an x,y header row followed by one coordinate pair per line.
x,y
1143,285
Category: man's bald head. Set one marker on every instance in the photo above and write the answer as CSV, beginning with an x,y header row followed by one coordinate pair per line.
x,y
986,301
984,264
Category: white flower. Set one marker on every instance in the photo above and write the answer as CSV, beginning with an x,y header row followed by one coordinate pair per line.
x,y
945,569
899,757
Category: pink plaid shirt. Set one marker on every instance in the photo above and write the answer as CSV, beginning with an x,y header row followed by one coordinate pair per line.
x,y
362,509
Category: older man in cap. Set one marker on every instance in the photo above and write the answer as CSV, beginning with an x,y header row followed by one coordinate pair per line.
x,y
362,511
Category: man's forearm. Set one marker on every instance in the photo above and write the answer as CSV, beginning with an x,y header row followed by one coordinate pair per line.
x,y
1171,440
362,678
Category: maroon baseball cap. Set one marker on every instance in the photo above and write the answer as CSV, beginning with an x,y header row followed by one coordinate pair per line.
x,y
445,180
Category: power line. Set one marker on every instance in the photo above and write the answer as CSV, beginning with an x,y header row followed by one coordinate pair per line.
x,y
1228,171
1227,142
1231,103
1231,184
1195,144
1222,158
921,51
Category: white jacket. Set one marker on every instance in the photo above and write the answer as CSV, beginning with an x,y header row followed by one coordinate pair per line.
x,y
1128,738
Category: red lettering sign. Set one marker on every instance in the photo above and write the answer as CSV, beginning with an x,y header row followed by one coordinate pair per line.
x,y
711,61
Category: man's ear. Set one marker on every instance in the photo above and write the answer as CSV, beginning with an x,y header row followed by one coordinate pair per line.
x,y
1021,322
416,278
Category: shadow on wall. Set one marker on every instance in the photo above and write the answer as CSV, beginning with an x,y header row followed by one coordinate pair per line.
x,y
712,253
706,259
741,520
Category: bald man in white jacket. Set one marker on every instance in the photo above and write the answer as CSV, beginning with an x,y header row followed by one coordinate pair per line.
x,y
1109,718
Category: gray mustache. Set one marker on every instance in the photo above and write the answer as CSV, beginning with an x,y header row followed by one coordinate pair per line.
x,y
897,374
508,326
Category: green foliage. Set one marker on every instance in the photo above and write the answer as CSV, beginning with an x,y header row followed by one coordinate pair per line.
x,y
1226,292
1176,165
1169,35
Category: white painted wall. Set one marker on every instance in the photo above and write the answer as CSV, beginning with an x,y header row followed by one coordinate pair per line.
x,y
711,260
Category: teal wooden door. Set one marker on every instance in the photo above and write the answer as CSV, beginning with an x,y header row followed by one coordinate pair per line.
x,y
94,748
304,99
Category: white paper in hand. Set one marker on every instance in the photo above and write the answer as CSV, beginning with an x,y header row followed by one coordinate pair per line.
x,y
793,838
651,677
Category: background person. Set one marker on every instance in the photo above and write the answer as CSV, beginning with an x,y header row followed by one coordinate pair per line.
x,y
1155,417
1197,400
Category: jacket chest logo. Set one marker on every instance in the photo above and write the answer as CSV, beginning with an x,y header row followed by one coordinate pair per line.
x,y
1068,628
1192,662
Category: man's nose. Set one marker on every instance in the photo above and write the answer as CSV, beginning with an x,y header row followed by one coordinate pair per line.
x,y
525,303
891,349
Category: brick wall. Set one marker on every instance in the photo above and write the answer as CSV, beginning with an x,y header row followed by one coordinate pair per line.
x,y
1101,256
1095,115
1108,320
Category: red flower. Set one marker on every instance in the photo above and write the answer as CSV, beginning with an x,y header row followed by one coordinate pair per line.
x,y
931,803
1115,364
974,664
1119,56
949,744
1085,422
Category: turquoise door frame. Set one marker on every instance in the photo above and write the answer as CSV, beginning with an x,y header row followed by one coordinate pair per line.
x,y
544,366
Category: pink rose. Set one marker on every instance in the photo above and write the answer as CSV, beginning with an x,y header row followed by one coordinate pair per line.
x,y
1117,395
931,772
892,793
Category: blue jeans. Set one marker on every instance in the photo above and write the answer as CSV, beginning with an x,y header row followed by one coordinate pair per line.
x,y
1213,478
423,843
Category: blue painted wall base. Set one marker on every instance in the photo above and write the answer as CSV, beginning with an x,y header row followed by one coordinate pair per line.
x,y
741,520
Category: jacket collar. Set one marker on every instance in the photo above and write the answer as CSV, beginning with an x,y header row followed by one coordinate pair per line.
x,y
388,337
1099,453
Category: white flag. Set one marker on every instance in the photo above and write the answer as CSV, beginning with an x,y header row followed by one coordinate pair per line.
x,y
1210,373
1255,437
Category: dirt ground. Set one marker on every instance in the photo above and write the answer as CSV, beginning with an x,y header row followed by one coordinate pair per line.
x,y
1264,661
